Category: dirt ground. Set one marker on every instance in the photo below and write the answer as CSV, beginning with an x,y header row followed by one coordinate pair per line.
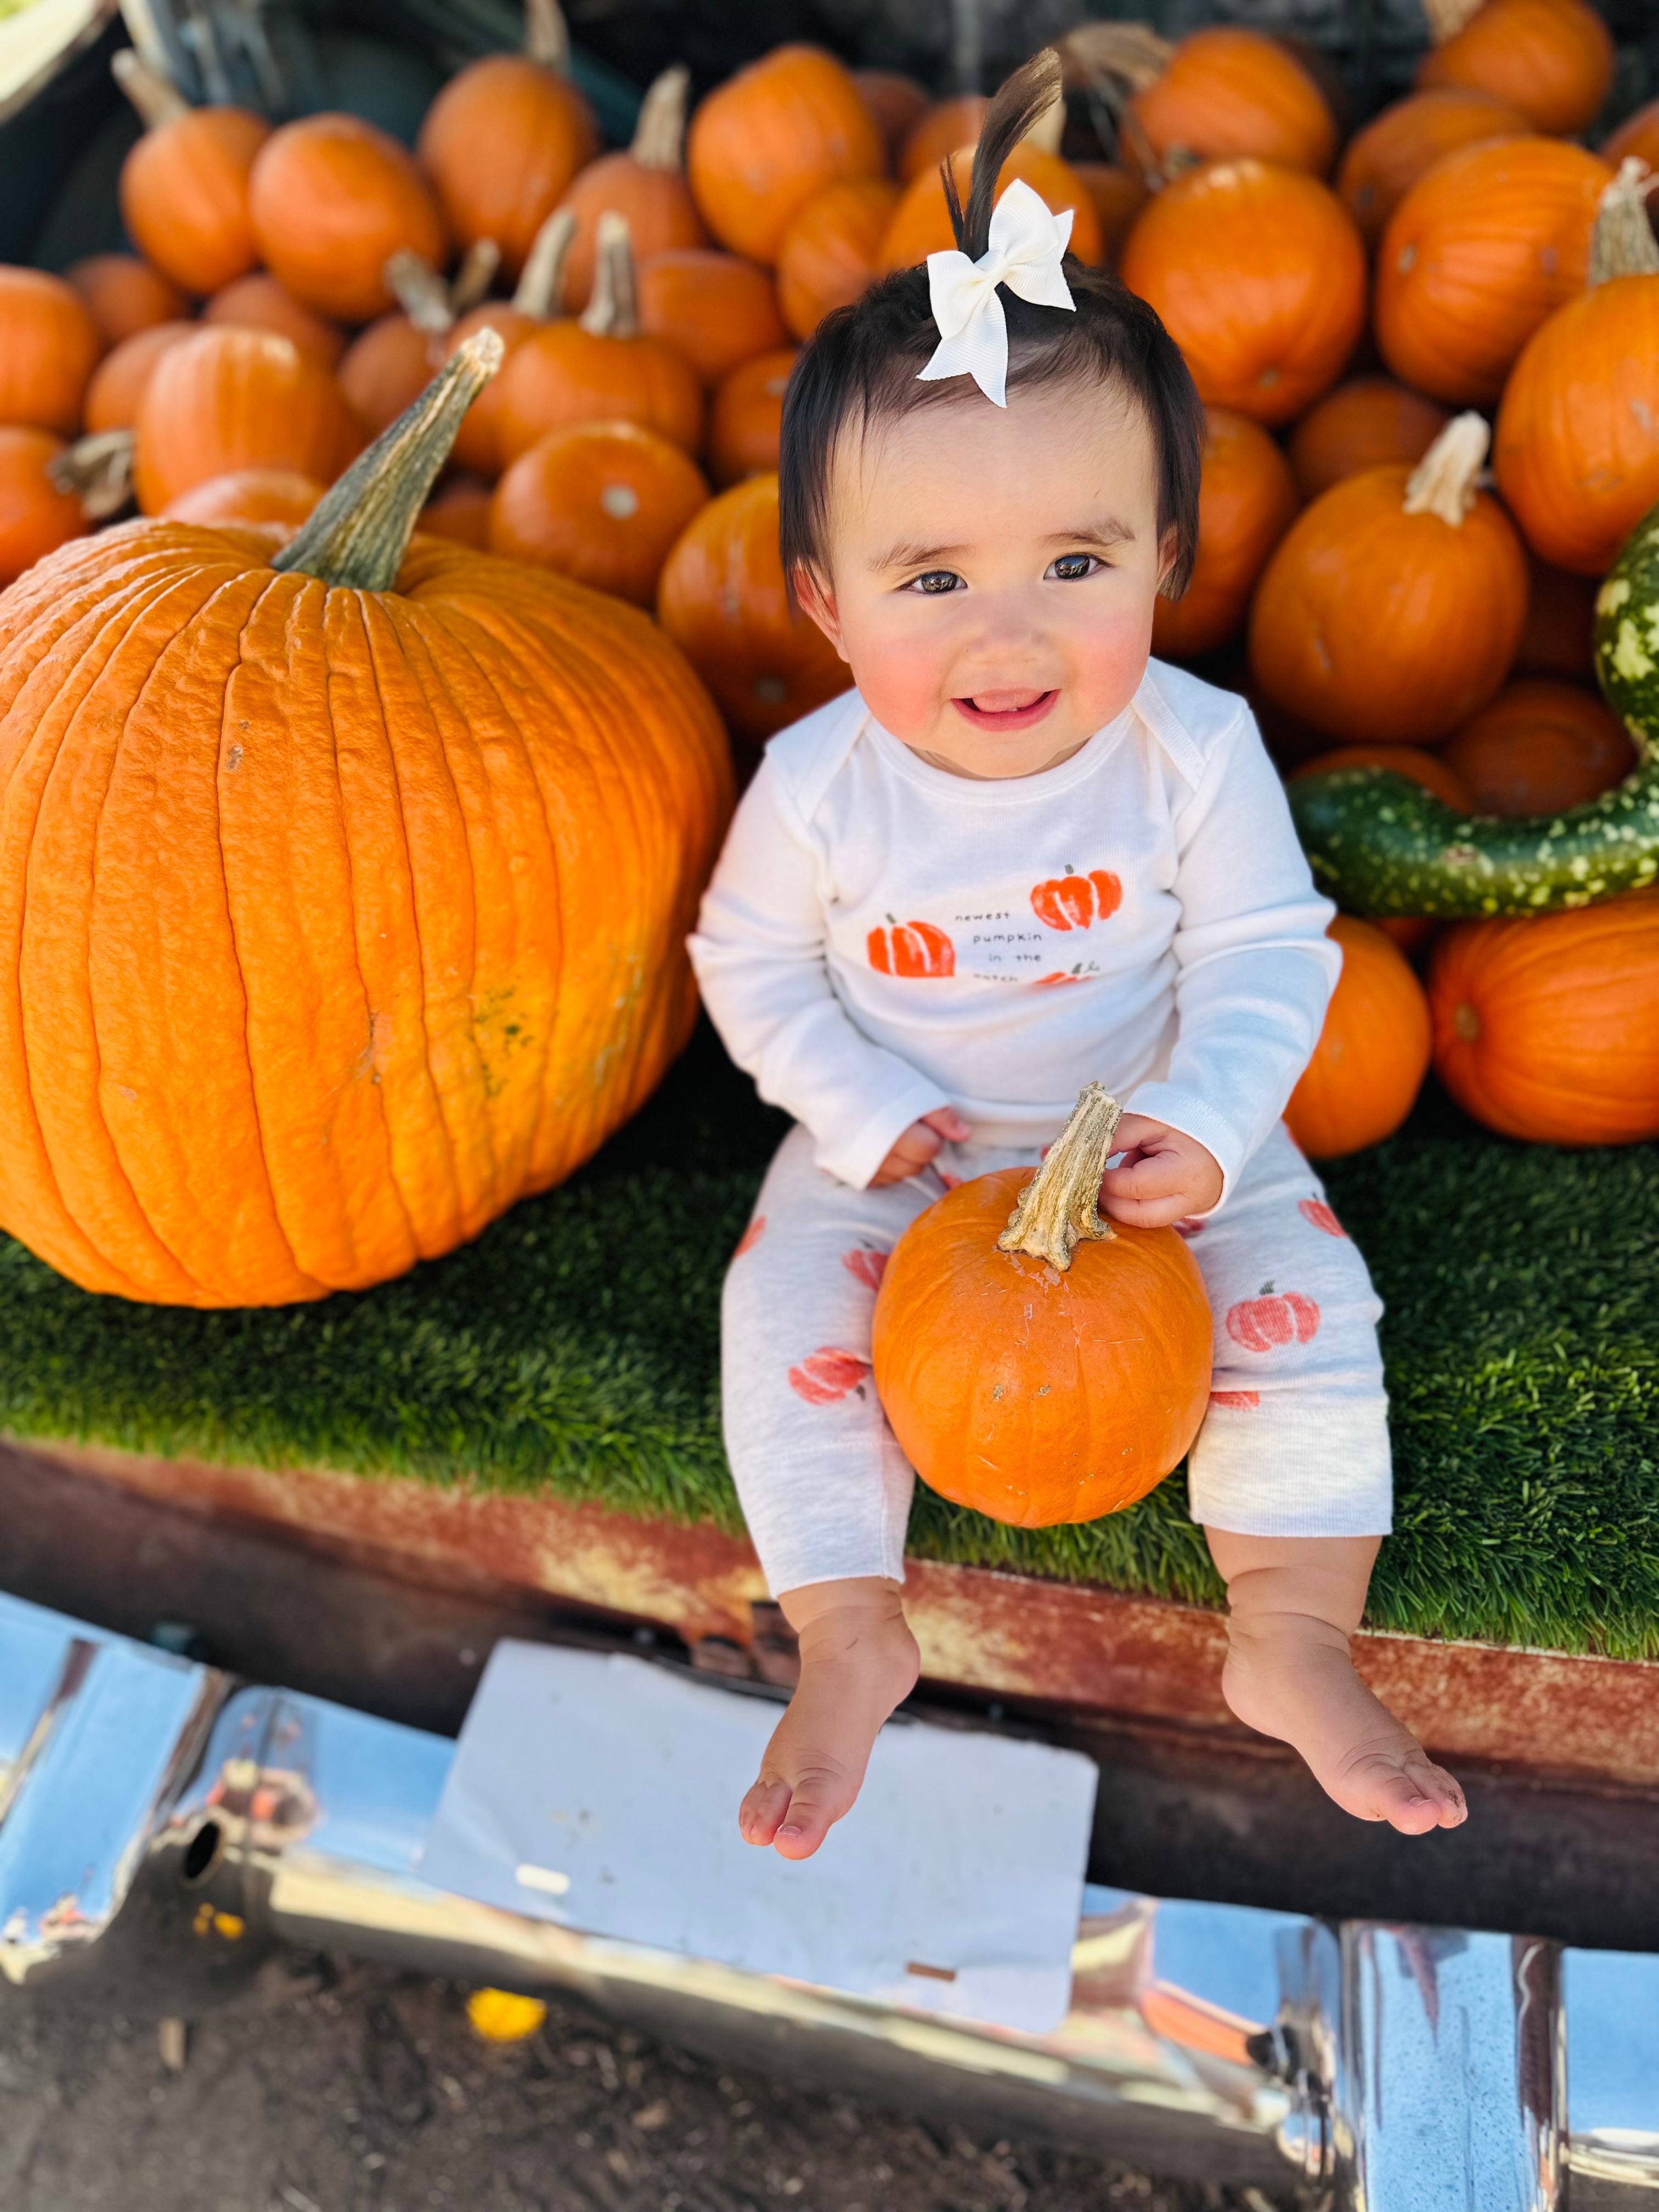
x,y
336,2088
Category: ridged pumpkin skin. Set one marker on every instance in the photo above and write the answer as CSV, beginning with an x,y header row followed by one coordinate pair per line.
x,y
229,400
502,142
279,495
769,139
1373,1054
49,346
1383,627
920,223
827,257
333,198
386,923
1229,92
1031,1395
602,504
35,516
259,302
121,378
1492,240
715,311
1247,500
745,419
184,195
722,600
1548,1028
1538,748
1551,58
561,375
1364,424
1259,275
1382,162
123,293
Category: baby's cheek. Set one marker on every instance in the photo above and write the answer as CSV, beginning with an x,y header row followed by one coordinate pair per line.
x,y
902,681
1108,654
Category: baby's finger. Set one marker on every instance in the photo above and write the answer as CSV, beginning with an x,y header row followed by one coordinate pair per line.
x,y
1145,1213
1154,1175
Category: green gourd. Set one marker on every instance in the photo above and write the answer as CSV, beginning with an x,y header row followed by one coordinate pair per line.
x,y
1379,844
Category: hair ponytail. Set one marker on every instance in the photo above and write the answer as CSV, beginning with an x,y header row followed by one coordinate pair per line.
x,y
1027,96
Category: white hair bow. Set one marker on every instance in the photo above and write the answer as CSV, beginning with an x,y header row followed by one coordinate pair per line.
x,y
1026,243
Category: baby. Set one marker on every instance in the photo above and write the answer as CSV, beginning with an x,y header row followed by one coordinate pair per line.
x,y
1018,856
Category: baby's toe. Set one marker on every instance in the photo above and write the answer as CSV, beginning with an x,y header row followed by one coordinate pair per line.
x,y
761,1810
1413,1795
819,1797
1434,1782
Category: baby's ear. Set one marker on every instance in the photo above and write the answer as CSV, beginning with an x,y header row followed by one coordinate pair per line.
x,y
814,596
1169,551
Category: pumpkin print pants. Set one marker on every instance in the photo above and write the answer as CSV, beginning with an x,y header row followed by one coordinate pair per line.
x,y
1295,1444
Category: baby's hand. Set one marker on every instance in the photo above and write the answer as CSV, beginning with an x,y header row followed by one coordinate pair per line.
x,y
920,1142
1163,1175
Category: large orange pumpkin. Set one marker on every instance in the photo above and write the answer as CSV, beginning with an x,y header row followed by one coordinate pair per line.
x,y
1382,162
49,346
1493,239
829,255
185,185
337,916
229,400
1547,1027
1373,1054
936,135
333,198
645,183
1394,605
1228,91
1247,500
1259,275
1363,424
1540,747
1048,1369
715,310
281,496
260,303
602,503
1551,58
745,419
35,516
119,382
920,223
769,139
123,295
722,600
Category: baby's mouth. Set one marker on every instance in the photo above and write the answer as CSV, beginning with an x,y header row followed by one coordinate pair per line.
x,y
1005,710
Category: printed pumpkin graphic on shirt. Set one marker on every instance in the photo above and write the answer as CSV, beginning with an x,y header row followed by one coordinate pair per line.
x,y
911,948
1001,944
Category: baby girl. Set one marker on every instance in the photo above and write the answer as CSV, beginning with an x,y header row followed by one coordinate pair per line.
x,y
1020,855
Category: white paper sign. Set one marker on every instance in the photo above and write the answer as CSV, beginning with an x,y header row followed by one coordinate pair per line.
x,y
601,1792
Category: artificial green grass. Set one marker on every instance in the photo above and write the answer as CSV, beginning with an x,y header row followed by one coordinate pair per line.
x,y
574,1349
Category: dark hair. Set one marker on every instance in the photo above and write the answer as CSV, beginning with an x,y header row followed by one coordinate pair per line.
x,y
860,364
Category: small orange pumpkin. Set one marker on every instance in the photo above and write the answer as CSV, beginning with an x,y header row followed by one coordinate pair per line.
x,y
227,400
1365,423
1050,1367
645,183
771,139
1117,197
1489,242
1373,1054
386,369
1538,748
1551,59
460,512
940,133
123,295
260,303
1547,1027
538,299
1560,624
35,516
1384,162
828,256
715,310
247,496
896,104
1429,769
185,185
1226,92
333,198
50,350
602,503
1259,275
1637,136
745,418
722,600
119,381
920,223
1247,500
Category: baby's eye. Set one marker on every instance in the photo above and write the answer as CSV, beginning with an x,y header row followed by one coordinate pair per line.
x,y
937,579
1072,567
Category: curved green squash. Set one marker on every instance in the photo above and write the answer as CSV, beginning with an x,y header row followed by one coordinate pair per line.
x,y
1379,844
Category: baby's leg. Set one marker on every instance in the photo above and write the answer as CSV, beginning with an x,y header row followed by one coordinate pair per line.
x,y
1293,1602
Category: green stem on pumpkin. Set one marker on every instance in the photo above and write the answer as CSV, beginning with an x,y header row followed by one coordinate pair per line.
x,y
541,288
1623,244
358,534
1061,1204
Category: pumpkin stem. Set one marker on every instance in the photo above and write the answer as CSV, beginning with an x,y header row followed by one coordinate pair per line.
x,y
155,98
660,136
541,288
612,311
473,279
1443,482
546,37
1623,244
1061,1204
1109,63
361,530
98,471
419,291
1446,18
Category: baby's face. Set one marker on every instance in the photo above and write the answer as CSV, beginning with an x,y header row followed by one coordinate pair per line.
x,y
991,573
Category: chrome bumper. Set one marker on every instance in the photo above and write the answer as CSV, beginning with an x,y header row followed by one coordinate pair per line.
x,y
162,1827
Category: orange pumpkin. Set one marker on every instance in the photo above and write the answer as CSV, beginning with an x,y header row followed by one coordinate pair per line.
x,y
1364,424
1547,1027
1117,197
248,495
1373,1054
1560,622
540,296
1429,769
940,133
1247,500
333,198
647,184
1491,240
712,309
386,369
745,418
1226,92
1259,275
185,185
1382,162
225,400
119,381
921,223
771,139
1637,136
51,348
329,1002
123,293
828,256
1540,747
460,512
1393,606
35,516
1551,59
896,104
260,303
600,368
602,503
1031,1375
722,600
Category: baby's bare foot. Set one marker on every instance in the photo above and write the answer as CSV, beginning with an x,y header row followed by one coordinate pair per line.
x,y
1289,1676
858,1660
